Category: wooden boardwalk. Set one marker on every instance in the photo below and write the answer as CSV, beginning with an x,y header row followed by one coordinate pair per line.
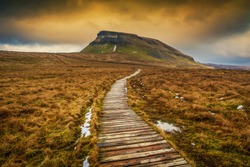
x,y
126,140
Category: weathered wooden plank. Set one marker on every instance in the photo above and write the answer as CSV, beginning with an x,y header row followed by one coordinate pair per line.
x,y
122,122
135,155
105,131
131,138
175,161
116,111
109,120
127,142
134,150
127,132
147,133
111,113
126,109
124,125
143,161
114,122
121,116
135,145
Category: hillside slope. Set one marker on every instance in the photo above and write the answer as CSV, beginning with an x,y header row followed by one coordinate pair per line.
x,y
141,48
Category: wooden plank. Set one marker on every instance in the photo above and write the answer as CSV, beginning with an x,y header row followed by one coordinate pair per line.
x,y
126,109
147,133
134,150
124,125
114,113
109,120
120,122
127,132
135,155
175,161
132,138
105,131
119,115
136,145
127,142
143,161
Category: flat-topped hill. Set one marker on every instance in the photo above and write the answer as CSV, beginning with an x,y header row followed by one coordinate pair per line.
x,y
141,48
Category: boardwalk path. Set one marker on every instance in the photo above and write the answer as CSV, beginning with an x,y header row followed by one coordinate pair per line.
x,y
126,140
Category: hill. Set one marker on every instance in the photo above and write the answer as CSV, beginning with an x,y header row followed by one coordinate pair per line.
x,y
138,48
229,67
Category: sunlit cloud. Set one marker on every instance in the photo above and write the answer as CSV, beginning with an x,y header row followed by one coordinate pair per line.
x,y
234,45
53,48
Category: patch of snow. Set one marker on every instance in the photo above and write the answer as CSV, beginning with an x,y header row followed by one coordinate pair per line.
x,y
114,48
193,144
86,162
141,84
222,98
178,96
86,126
212,113
240,107
167,127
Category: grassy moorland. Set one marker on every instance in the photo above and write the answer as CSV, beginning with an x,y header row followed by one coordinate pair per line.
x,y
205,104
43,100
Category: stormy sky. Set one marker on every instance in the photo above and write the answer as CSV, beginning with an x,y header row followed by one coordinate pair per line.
x,y
214,31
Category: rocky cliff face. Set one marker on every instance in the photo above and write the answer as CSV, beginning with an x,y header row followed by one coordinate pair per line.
x,y
134,45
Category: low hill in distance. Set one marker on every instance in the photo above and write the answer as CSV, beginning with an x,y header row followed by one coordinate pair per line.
x,y
228,67
139,49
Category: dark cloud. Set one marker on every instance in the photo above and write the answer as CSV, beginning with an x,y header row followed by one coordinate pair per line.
x,y
30,8
233,25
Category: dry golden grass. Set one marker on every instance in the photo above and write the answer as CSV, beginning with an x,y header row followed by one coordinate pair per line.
x,y
43,100
44,97
207,115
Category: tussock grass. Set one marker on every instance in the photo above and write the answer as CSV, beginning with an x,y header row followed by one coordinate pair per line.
x,y
207,115
42,106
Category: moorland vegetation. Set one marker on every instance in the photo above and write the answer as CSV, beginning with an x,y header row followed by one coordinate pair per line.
x,y
211,107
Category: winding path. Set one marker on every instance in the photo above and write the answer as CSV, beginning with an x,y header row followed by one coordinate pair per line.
x,y
126,140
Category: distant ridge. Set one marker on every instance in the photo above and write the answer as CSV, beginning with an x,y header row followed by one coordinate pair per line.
x,y
228,67
141,48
